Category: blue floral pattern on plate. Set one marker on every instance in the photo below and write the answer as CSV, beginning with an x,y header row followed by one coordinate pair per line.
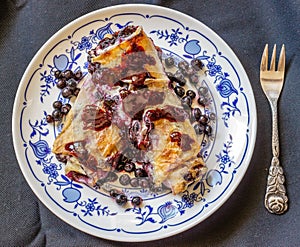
x,y
226,152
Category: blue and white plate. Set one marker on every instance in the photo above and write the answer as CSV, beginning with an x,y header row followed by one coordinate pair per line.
x,y
227,153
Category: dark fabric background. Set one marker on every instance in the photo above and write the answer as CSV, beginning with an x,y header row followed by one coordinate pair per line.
x,y
242,221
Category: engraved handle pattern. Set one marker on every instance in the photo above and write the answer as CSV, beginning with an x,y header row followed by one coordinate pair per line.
x,y
275,135
275,198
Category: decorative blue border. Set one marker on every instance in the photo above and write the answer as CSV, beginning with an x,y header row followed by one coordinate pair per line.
x,y
147,214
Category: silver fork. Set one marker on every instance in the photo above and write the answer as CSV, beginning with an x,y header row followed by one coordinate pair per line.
x,y
272,81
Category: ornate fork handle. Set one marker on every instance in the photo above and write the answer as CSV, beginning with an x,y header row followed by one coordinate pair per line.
x,y
275,198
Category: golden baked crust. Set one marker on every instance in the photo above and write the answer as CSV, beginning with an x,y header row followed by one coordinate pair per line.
x,y
113,55
174,160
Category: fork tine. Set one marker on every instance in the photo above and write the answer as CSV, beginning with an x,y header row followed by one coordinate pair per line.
x,y
281,63
264,59
272,66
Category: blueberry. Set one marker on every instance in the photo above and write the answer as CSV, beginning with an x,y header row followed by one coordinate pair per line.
x,y
188,177
111,177
202,100
208,130
65,108
156,189
113,193
196,113
78,75
170,75
57,115
194,79
68,74
57,105
134,182
123,159
139,172
196,64
199,128
99,183
124,93
124,179
121,199
61,158
136,201
61,83
175,136
171,84
144,183
183,65
179,91
49,119
71,83
181,82
120,167
180,79
185,72
190,71
191,94
202,90
89,58
136,126
186,101
212,116
169,61
109,101
116,98
76,91
203,119
129,167
67,92
57,74
199,155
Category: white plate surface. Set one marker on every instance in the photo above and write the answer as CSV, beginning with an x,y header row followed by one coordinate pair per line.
x,y
227,154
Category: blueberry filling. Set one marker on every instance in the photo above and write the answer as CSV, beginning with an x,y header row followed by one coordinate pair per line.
x,y
96,118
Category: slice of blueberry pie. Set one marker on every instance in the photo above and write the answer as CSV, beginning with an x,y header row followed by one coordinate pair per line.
x,y
128,122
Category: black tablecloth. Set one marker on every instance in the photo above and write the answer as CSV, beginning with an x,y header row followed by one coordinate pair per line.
x,y
242,221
